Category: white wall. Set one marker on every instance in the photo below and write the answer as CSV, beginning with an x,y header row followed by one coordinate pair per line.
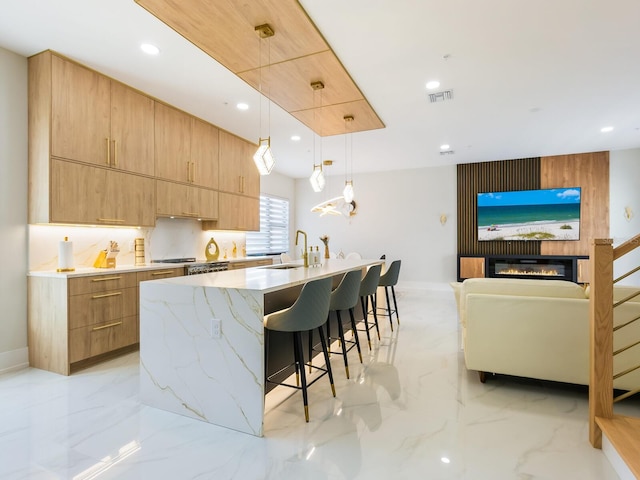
x,y
13,210
279,185
398,214
625,193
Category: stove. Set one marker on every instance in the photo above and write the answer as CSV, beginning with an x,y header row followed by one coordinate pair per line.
x,y
196,268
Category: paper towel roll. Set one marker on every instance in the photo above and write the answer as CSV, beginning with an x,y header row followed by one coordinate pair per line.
x,y
65,256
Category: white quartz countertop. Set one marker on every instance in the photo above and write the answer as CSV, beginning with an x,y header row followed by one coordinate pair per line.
x,y
267,278
86,271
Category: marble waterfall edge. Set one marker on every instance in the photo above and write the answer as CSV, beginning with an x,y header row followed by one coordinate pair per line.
x,y
186,369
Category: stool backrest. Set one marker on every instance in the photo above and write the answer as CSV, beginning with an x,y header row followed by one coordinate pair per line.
x,y
370,281
390,277
346,295
309,311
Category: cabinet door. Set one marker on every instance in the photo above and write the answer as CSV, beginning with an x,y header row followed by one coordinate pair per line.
x,y
93,195
172,144
80,113
237,212
238,173
204,154
178,200
583,275
132,124
471,267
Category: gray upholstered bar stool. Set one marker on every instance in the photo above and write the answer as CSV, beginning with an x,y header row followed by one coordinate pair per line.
x,y
388,280
308,312
345,297
368,287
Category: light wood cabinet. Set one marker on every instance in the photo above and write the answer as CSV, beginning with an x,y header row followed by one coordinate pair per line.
x,y
84,194
178,200
584,272
158,274
250,263
236,212
472,267
204,154
173,144
97,120
238,173
71,321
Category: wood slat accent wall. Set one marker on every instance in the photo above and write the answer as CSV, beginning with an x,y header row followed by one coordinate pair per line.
x,y
522,174
590,171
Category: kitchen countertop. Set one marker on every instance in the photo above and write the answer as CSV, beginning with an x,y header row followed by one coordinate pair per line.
x,y
87,271
267,279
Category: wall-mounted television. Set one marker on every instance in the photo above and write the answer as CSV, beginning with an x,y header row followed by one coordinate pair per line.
x,y
548,214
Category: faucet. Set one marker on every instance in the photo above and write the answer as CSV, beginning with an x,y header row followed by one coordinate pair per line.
x,y
305,255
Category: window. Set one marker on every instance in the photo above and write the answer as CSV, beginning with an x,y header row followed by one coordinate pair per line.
x,y
273,237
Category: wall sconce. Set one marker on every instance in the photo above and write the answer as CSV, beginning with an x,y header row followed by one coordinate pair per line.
x,y
628,213
443,219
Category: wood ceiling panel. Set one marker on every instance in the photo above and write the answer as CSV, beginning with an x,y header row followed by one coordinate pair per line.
x,y
289,83
224,29
329,120
294,57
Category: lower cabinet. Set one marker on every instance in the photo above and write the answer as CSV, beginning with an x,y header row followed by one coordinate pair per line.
x,y
471,267
250,263
75,322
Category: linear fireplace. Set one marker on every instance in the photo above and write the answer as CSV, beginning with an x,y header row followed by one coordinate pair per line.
x,y
533,267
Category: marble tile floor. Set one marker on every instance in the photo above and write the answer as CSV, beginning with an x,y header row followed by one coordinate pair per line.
x,y
411,411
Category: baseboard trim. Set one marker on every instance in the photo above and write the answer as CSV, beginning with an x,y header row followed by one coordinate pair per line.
x,y
14,360
439,286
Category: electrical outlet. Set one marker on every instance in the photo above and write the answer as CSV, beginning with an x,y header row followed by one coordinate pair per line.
x,y
216,328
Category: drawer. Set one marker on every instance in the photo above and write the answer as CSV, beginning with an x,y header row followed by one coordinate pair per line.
x,y
157,274
101,283
86,342
93,308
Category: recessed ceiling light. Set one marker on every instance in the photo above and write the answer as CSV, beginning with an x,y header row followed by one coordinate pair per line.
x,y
433,84
606,129
242,106
445,147
295,138
149,49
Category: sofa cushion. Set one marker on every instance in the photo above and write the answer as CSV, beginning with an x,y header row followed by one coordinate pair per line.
x,y
517,286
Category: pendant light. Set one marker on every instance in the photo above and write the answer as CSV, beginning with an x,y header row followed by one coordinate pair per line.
x,y
317,179
263,157
347,193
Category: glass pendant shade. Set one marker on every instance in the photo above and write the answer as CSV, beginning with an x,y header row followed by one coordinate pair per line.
x,y
263,157
347,193
317,179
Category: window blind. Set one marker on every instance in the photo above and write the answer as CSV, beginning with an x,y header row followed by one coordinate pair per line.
x,y
273,237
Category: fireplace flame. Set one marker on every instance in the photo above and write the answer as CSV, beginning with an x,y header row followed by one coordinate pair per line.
x,y
517,271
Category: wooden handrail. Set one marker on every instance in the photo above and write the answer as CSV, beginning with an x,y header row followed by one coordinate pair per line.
x,y
626,247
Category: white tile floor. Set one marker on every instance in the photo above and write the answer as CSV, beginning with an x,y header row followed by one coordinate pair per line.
x,y
407,409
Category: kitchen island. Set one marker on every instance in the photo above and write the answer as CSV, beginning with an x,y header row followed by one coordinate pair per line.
x,y
202,340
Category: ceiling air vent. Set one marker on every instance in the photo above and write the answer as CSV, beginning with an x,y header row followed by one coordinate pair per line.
x,y
441,96
447,152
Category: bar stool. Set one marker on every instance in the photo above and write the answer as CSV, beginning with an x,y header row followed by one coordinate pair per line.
x,y
308,312
368,287
390,279
345,297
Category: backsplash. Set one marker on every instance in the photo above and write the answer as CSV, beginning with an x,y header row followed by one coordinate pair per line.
x,y
170,238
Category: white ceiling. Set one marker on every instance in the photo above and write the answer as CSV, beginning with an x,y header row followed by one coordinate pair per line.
x,y
529,78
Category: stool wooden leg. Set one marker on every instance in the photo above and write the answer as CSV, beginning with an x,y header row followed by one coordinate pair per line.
x,y
344,347
355,332
297,338
326,359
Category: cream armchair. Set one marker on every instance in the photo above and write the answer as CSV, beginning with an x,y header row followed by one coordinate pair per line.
x,y
537,329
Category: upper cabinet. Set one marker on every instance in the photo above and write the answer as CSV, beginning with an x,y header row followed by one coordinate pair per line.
x,y
186,148
238,173
97,120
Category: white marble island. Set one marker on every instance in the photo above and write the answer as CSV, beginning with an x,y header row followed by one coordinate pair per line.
x,y
202,341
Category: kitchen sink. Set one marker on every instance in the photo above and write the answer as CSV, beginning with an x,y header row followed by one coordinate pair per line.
x,y
283,266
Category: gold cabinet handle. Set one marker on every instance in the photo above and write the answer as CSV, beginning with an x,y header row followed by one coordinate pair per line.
x,y
115,294
115,324
188,172
240,183
165,272
110,220
115,153
193,172
108,151
105,279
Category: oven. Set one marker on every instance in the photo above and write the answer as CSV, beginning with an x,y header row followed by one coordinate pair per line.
x,y
196,268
